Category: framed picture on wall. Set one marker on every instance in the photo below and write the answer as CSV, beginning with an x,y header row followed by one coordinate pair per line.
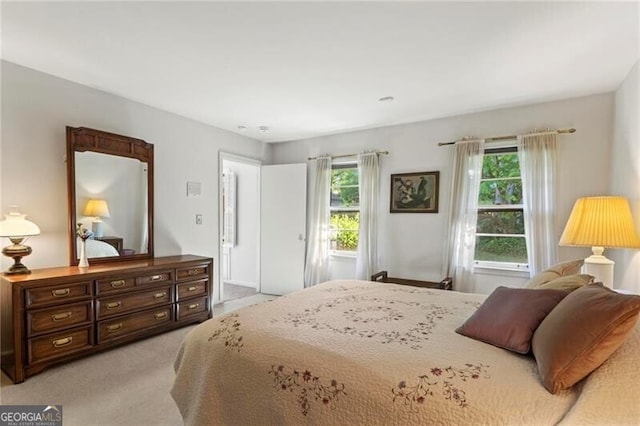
x,y
415,192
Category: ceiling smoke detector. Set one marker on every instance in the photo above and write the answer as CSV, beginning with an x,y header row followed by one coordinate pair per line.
x,y
263,129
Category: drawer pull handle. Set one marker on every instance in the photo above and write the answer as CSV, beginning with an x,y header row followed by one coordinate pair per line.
x,y
161,315
61,292
156,277
193,272
62,342
194,306
113,305
192,288
115,327
160,295
117,284
60,317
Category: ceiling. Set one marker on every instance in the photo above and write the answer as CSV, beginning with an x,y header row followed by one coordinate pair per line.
x,y
308,69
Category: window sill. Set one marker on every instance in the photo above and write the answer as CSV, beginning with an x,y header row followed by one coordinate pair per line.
x,y
343,254
504,270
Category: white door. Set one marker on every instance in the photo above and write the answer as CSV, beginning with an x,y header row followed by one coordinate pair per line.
x,y
283,228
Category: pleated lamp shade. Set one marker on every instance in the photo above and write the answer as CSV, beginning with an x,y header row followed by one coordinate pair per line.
x,y
601,221
97,208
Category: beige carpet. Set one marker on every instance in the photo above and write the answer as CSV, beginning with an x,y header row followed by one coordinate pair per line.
x,y
234,291
124,386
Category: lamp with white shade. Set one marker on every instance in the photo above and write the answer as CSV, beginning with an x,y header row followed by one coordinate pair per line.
x,y
17,228
599,223
98,209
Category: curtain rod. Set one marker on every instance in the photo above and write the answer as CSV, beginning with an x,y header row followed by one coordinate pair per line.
x,y
345,155
504,138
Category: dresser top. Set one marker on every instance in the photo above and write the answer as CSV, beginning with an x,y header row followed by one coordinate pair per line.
x,y
125,266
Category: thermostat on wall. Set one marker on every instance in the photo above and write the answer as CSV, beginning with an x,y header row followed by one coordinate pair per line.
x,y
194,189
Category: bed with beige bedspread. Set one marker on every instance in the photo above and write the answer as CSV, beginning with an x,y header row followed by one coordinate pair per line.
x,y
365,353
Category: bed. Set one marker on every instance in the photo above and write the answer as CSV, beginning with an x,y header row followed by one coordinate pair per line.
x,y
95,248
367,353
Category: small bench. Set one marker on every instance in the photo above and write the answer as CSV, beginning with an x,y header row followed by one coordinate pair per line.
x,y
383,277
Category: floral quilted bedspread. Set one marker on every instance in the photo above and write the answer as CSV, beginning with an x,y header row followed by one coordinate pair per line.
x,y
360,353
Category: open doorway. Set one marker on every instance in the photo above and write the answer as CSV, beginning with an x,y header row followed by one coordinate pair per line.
x,y
239,264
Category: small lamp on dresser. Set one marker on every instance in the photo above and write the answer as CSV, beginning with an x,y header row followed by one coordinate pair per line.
x,y
599,223
17,228
98,209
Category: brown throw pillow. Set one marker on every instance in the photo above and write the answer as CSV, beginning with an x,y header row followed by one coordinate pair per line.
x,y
556,271
509,316
568,283
581,333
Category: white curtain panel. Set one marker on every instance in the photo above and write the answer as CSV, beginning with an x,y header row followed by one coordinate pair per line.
x,y
369,177
463,213
538,162
316,268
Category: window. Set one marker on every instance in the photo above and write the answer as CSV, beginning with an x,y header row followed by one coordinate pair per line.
x,y
344,207
500,235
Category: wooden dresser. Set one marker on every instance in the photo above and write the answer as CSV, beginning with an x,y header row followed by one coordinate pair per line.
x,y
57,314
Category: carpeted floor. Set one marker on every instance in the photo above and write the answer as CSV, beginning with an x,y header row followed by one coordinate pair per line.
x,y
233,291
123,386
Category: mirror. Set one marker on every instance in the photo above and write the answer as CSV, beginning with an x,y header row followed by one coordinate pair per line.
x,y
110,187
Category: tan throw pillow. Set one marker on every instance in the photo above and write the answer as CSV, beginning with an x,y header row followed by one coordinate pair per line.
x,y
509,316
568,283
580,334
562,269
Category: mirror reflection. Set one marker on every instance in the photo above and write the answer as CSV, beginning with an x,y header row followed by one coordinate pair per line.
x,y
111,196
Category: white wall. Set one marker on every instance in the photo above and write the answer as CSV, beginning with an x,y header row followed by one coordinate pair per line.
x,y
413,243
244,255
36,107
625,173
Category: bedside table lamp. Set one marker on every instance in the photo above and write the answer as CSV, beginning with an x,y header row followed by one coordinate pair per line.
x,y
17,229
599,223
98,209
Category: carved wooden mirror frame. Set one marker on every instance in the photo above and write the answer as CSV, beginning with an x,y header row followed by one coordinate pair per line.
x,y
81,139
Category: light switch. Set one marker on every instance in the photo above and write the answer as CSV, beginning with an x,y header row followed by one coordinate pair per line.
x,y
198,219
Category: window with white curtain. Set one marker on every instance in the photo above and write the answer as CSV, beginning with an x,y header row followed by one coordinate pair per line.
x,y
500,233
344,208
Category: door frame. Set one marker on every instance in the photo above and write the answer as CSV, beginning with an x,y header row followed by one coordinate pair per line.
x,y
222,156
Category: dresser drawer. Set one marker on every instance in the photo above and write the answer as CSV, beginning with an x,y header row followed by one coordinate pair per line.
x,y
158,277
192,289
192,272
120,327
59,317
192,307
59,344
117,305
114,285
57,294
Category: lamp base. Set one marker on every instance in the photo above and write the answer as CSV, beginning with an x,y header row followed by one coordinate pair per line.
x,y
96,228
600,267
17,251
17,268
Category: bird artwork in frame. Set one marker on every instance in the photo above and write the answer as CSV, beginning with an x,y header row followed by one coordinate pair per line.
x,y
415,192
